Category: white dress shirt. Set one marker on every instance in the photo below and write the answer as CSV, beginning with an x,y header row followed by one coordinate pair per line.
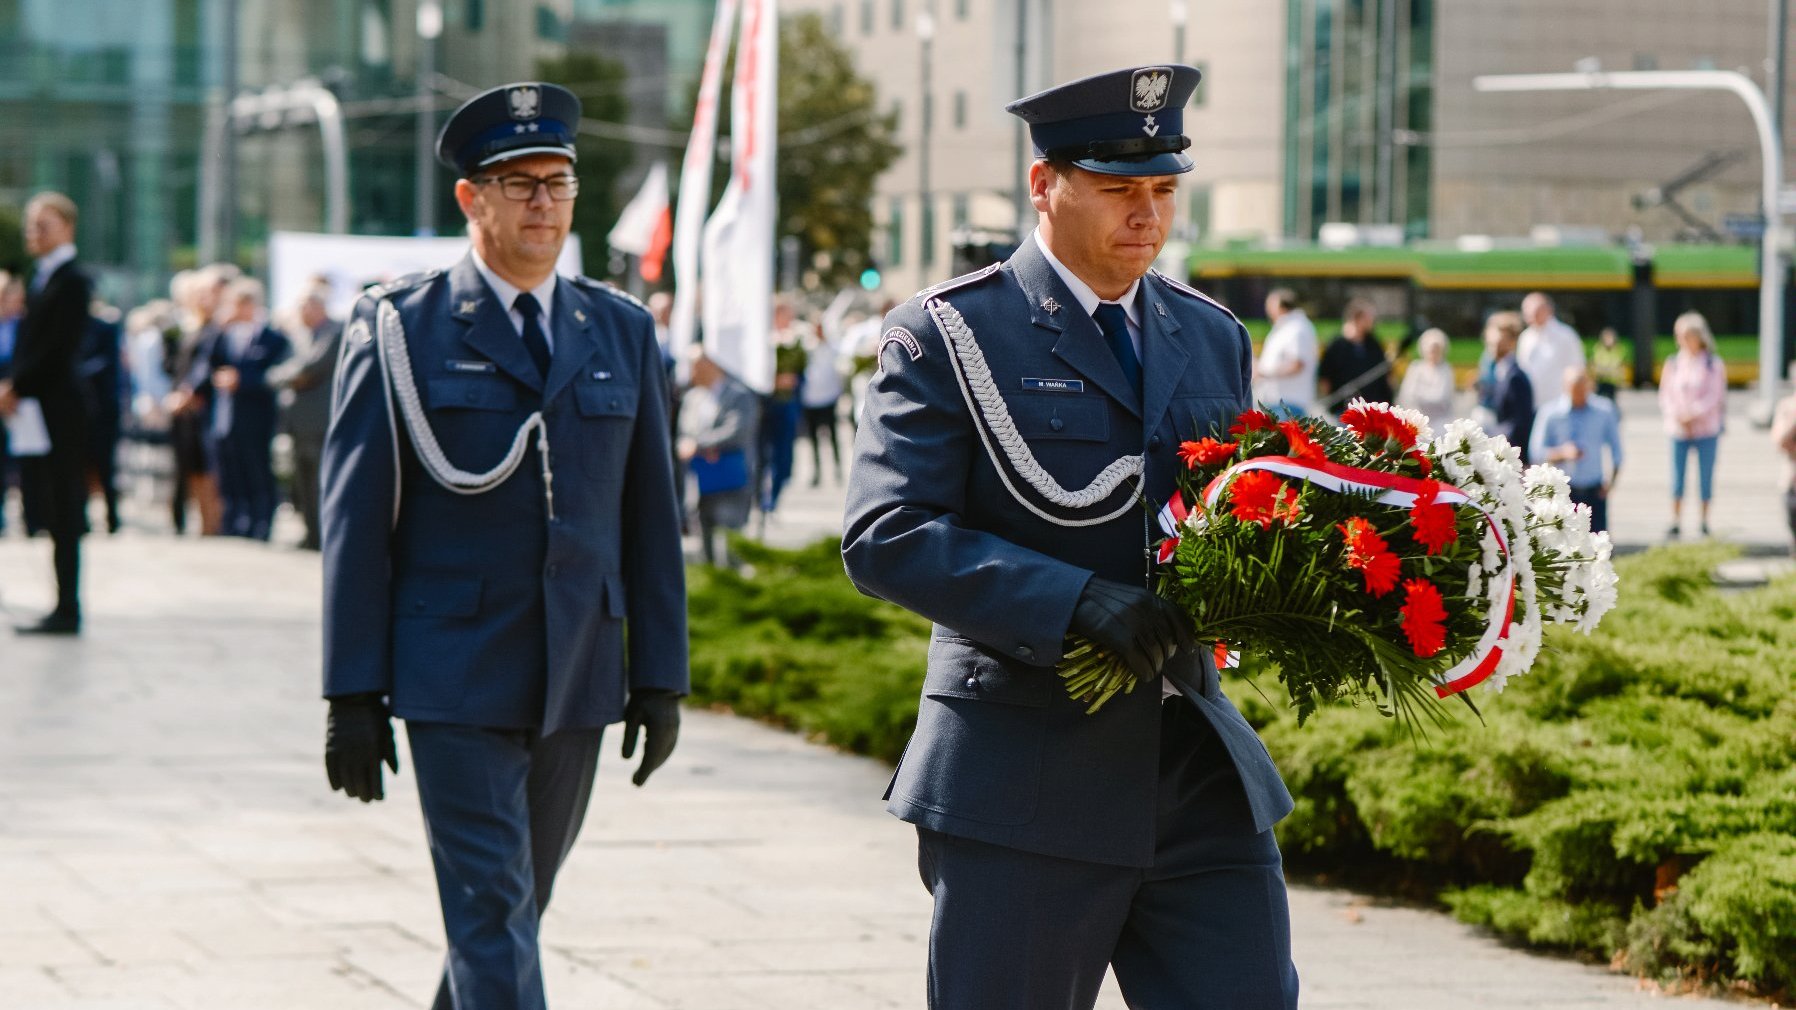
x,y
1545,352
508,293
1089,300
1291,340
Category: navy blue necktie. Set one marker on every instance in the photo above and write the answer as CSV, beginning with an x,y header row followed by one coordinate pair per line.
x,y
534,341
1115,323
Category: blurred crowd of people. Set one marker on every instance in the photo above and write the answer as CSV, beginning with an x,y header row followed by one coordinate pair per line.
x,y
1534,383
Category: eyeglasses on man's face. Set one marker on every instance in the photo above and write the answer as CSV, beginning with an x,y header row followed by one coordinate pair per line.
x,y
522,188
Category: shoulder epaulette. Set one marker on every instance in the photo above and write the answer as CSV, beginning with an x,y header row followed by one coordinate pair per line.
x,y
608,288
402,284
1194,293
963,281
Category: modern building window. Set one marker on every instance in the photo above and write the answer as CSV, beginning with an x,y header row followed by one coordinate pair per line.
x,y
1646,61
1703,63
960,110
895,233
836,20
866,17
548,25
962,214
1200,94
898,24
1358,79
926,236
474,18
961,9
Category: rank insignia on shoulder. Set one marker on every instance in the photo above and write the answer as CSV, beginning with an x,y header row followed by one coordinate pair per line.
x,y
469,307
474,367
903,338
1051,305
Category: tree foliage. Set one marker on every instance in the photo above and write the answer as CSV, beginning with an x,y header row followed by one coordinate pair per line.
x,y
599,83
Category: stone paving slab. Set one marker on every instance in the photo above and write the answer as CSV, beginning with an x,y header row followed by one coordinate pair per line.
x,y
167,841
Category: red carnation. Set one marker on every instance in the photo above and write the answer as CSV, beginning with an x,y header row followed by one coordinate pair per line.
x,y
1221,654
1377,421
1433,524
1368,553
1423,617
1302,447
1207,452
1251,420
1260,497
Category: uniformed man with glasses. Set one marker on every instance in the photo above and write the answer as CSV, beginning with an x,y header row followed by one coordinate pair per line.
x,y
499,509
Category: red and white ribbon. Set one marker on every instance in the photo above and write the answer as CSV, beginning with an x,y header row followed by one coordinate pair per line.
x,y
1172,519
1401,492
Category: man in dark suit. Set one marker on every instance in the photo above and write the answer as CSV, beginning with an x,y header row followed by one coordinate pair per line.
x,y
230,376
1018,416
45,369
498,507
1505,391
305,383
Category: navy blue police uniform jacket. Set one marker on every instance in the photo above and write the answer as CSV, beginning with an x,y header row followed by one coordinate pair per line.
x,y
483,609
1000,753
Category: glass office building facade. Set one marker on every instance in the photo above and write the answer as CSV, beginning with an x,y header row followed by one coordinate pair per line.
x,y
1359,90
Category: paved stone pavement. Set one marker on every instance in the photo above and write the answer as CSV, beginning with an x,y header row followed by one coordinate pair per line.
x,y
167,841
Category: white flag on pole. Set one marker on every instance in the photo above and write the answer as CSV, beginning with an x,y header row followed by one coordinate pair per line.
x,y
738,301
635,228
695,183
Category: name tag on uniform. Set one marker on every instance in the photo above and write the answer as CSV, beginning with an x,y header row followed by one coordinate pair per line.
x,y
1054,385
473,367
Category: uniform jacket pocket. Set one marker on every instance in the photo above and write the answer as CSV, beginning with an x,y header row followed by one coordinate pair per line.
x,y
605,399
959,668
1080,417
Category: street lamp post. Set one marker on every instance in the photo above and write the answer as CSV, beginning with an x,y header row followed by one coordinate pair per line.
x,y
925,210
306,100
430,25
1771,301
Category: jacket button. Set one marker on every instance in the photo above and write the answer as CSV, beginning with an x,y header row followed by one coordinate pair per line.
x,y
972,683
1056,423
1024,652
1154,443
614,404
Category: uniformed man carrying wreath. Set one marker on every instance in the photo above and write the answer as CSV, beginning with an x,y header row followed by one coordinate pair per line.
x,y
498,508
1019,416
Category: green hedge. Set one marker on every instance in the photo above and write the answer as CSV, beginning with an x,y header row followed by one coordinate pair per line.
x,y
1633,799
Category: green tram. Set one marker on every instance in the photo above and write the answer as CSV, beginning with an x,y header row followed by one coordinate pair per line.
x,y
1638,293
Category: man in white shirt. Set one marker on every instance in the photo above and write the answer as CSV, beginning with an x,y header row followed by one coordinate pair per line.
x,y
1548,347
1284,377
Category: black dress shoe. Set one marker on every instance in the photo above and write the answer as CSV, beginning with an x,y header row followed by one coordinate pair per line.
x,y
55,624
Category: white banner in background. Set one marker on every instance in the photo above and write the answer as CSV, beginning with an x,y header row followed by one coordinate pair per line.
x,y
738,301
350,263
695,184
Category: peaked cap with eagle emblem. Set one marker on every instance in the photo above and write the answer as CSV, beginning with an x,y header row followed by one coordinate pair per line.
x,y
1125,122
509,121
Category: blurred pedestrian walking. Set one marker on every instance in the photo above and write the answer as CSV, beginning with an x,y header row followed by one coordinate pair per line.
x,y
305,385
1572,432
718,422
1608,364
197,294
821,395
46,373
1783,436
230,374
1505,393
1693,400
1546,348
781,410
1285,372
102,364
1354,366
12,308
1429,384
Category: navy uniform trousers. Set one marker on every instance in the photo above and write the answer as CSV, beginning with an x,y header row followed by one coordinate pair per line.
x,y
501,810
996,905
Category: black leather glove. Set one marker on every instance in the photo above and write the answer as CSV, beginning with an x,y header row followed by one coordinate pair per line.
x,y
358,736
656,710
1137,625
